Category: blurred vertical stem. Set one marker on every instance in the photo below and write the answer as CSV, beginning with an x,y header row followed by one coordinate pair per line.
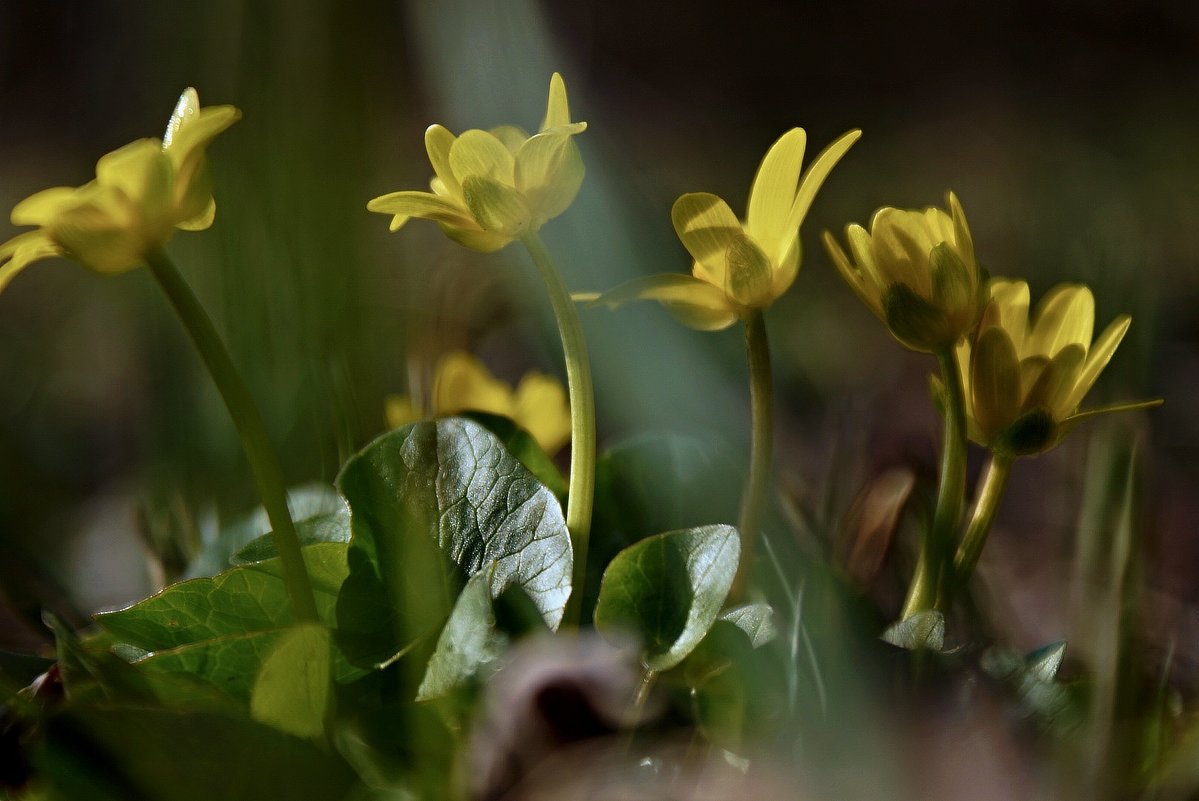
x,y
581,490
936,550
990,493
761,401
264,462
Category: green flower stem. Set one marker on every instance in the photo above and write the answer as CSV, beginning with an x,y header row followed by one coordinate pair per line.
x,y
761,401
264,463
990,493
581,492
935,561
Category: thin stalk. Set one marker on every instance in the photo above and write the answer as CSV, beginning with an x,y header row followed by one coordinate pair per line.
x,y
935,561
264,463
761,402
581,490
990,493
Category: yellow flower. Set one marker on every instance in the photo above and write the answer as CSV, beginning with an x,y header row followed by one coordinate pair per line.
x,y
492,187
917,272
142,193
1023,378
462,383
740,267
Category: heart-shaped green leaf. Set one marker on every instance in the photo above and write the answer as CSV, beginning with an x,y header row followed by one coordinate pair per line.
x,y
433,503
669,589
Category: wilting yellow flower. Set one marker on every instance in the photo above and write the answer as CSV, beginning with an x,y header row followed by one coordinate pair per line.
x,y
462,383
142,193
917,272
1023,378
492,187
740,267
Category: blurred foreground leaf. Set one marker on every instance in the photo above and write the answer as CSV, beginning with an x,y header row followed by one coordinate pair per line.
x,y
292,690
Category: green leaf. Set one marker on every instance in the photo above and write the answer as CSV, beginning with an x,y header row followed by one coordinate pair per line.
x,y
309,501
239,601
756,620
921,630
165,755
669,589
329,527
468,643
433,503
520,443
229,663
292,690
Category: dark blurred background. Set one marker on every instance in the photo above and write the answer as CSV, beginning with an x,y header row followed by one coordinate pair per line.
x,y
1069,130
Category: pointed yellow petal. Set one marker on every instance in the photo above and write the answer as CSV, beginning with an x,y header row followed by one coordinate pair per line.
x,y
481,154
480,241
787,268
1099,354
1052,388
863,286
1008,309
438,141
201,221
1066,315
22,250
99,235
411,203
773,192
497,207
1111,408
817,172
542,409
695,303
962,239
994,382
549,172
557,108
463,383
39,209
707,226
187,106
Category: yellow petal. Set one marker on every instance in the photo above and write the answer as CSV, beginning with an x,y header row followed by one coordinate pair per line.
x,y
39,209
707,226
191,128
400,411
1052,388
140,171
1111,408
462,383
695,303
1008,309
22,250
549,172
900,246
542,409
497,207
962,239
863,285
748,278
202,220
99,235
477,240
1066,315
787,267
1098,355
513,136
481,154
817,172
994,382
411,203
438,141
557,108
773,192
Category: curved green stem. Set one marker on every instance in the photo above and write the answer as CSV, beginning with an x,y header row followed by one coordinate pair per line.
x,y
935,561
581,491
264,463
761,401
990,493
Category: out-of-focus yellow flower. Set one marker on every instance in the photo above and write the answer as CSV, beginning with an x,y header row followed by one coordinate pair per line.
x,y
1023,378
740,267
917,272
492,187
462,383
142,193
